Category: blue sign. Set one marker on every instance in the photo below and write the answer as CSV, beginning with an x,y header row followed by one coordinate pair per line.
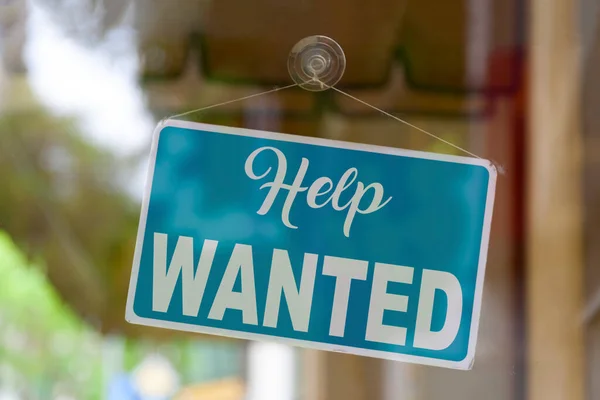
x,y
329,245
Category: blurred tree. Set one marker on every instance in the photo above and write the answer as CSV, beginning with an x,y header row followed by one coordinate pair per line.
x,y
60,201
86,20
12,34
64,201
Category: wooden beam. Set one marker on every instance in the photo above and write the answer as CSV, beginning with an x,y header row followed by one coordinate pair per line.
x,y
337,376
554,239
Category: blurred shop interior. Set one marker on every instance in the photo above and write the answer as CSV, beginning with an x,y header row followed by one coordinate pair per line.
x,y
84,82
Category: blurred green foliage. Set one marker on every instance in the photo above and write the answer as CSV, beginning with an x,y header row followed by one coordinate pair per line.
x,y
62,200
47,350
67,233
44,347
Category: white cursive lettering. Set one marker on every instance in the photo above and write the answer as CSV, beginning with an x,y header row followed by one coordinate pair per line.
x,y
318,190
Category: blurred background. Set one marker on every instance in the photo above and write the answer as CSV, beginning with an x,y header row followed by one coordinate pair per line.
x,y
84,82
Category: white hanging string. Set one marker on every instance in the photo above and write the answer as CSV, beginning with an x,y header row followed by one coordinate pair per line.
x,y
277,89
405,122
387,114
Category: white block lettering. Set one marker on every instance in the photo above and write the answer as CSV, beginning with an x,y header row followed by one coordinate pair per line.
x,y
381,300
442,339
282,281
240,262
344,270
182,263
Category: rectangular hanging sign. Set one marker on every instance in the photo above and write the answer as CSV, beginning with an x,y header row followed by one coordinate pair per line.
x,y
311,242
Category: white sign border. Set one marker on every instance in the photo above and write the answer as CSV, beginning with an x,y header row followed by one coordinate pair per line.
x,y
465,364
